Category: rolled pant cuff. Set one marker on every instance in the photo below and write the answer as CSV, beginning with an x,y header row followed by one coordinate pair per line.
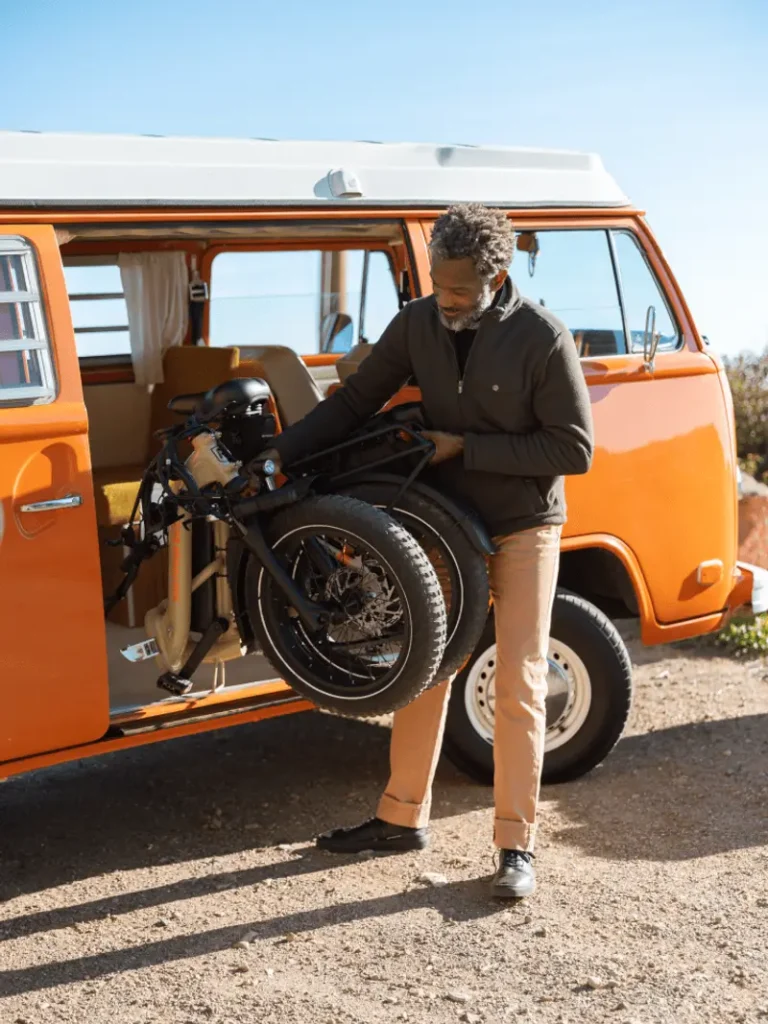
x,y
398,813
514,835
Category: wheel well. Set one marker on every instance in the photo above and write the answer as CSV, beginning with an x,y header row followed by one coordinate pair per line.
x,y
600,577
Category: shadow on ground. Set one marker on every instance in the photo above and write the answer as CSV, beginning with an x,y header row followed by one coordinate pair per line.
x,y
458,901
667,795
693,790
662,796
207,796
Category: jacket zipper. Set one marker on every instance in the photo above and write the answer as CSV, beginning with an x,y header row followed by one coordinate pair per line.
x,y
452,345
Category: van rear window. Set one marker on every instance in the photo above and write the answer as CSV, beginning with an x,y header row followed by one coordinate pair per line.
x,y
99,312
26,367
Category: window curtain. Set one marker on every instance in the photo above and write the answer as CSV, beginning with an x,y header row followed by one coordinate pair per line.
x,y
156,286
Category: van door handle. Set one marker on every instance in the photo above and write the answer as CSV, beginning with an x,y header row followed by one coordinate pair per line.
x,y
70,501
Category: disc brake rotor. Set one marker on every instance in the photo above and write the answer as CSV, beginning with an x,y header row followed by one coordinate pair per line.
x,y
368,598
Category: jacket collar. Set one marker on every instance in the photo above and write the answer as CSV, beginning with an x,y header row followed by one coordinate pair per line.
x,y
508,301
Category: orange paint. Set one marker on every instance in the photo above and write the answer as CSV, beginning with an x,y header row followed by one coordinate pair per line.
x,y
54,648
321,359
329,212
660,496
667,452
141,739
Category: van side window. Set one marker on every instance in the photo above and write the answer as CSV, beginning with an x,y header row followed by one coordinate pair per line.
x,y
286,298
26,366
571,273
99,312
641,290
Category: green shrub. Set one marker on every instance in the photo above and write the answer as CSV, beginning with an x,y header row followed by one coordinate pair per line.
x,y
750,464
745,638
748,377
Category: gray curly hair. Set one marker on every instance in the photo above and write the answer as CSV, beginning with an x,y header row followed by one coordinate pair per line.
x,y
474,231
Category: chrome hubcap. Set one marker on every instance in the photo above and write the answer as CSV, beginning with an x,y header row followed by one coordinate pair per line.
x,y
569,694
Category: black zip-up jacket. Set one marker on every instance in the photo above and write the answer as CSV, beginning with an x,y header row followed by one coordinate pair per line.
x,y
522,407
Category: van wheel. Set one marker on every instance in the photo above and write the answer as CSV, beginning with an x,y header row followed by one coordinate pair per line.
x,y
588,700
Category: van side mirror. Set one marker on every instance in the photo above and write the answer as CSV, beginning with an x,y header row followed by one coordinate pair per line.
x,y
651,338
336,333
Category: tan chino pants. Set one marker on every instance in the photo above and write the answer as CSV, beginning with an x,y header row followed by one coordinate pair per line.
x,y
523,576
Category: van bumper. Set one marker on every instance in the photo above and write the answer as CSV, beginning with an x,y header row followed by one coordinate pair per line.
x,y
750,592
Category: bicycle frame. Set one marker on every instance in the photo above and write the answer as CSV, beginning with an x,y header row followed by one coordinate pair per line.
x,y
170,622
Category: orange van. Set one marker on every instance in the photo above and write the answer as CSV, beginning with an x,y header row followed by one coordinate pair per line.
x,y
135,269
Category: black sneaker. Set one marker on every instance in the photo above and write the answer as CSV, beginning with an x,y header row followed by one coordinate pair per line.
x,y
375,835
515,877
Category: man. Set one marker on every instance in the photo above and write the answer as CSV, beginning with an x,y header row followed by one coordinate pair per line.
x,y
505,397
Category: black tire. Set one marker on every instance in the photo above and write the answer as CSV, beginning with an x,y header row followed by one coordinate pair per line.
x,y
461,567
296,656
595,727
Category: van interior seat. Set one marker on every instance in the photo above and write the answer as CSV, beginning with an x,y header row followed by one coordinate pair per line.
x,y
186,369
190,369
350,362
292,385
595,343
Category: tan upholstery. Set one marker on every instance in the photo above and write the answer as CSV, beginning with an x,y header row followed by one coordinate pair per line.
x,y
118,415
350,363
186,369
189,369
292,385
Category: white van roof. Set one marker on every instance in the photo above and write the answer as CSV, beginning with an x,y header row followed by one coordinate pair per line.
x,y
41,169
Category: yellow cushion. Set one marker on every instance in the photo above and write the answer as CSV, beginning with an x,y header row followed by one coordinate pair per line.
x,y
115,490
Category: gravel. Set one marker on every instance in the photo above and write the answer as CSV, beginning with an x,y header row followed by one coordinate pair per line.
x,y
178,883
433,878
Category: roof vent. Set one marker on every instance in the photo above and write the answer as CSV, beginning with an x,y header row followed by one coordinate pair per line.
x,y
344,184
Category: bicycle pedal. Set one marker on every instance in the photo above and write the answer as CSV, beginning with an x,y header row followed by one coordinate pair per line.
x,y
142,651
174,684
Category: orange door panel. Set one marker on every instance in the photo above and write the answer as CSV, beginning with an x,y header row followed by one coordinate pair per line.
x,y
663,482
53,690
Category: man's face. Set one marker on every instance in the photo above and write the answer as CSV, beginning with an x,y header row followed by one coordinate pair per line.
x,y
462,296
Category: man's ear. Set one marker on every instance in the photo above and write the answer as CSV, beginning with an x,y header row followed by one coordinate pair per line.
x,y
499,280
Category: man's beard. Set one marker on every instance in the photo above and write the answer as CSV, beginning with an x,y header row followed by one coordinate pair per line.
x,y
470,320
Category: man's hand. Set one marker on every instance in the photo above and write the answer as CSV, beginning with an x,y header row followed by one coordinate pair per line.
x,y
447,446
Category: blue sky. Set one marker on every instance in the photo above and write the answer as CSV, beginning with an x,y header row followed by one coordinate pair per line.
x,y
673,95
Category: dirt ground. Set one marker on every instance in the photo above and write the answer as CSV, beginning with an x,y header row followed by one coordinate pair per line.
x,y
178,884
